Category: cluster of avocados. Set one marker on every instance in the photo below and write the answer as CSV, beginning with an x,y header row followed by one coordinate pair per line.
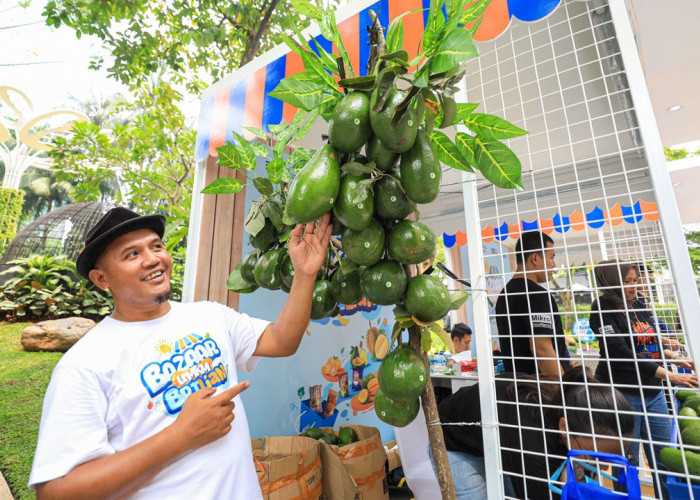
x,y
689,425
345,436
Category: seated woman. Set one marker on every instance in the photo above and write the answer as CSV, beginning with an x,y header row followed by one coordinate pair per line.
x,y
539,421
630,357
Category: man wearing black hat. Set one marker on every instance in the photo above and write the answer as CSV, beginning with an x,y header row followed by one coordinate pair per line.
x,y
143,405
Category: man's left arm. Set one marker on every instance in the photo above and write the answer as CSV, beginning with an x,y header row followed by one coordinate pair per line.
x,y
307,252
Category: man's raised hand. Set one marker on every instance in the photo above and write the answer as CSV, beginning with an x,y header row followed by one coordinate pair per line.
x,y
308,251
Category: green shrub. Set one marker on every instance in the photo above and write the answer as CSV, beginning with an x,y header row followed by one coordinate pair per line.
x,y
46,286
666,313
10,211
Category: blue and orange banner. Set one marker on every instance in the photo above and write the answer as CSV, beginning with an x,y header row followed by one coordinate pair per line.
x,y
246,101
595,219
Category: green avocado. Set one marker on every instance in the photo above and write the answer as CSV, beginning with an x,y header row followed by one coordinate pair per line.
x,y
384,282
411,242
383,157
691,435
683,394
347,435
421,172
346,287
673,459
395,413
287,271
314,190
390,201
400,138
322,301
692,402
355,205
364,247
330,439
313,433
248,266
427,298
267,270
687,417
349,126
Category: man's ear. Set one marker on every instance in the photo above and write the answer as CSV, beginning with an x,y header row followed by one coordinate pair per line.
x,y
99,278
562,425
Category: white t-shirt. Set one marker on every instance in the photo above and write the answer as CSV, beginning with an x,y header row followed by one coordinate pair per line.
x,y
124,382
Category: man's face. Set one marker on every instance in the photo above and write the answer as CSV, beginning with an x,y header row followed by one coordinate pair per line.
x,y
463,344
136,268
542,265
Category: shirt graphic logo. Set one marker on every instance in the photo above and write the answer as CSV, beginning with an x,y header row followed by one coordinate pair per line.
x,y
542,321
193,366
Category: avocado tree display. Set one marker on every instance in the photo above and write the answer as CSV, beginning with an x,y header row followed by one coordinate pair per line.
x,y
383,159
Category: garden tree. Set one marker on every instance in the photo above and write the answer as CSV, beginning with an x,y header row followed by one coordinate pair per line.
x,y
43,192
198,41
151,155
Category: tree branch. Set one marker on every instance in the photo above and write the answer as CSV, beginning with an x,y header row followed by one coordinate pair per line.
x,y
253,43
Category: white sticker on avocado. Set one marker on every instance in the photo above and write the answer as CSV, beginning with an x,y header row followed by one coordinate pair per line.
x,y
388,284
393,198
367,244
357,121
360,205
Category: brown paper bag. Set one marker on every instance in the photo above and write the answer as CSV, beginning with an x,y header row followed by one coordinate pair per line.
x,y
355,471
288,467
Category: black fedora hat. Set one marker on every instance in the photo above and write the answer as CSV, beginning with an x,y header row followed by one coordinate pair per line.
x,y
115,223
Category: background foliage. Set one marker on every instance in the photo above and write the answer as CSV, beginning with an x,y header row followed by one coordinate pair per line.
x,y
10,212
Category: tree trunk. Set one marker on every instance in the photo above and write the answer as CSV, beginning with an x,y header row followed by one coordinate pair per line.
x,y
253,43
432,419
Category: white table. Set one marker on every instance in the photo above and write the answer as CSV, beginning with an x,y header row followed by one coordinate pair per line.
x,y
454,382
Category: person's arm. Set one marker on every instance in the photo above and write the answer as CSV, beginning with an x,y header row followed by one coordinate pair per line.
x,y
544,334
203,419
686,379
547,360
282,338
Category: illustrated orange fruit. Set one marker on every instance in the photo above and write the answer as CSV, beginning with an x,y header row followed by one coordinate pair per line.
x,y
363,397
381,347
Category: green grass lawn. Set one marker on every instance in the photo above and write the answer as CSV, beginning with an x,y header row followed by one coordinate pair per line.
x,y
23,381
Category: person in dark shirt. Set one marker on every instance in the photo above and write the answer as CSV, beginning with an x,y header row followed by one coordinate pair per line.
x,y
534,439
631,357
530,332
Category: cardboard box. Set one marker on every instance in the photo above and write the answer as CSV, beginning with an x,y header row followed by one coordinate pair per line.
x,y
355,471
288,467
392,456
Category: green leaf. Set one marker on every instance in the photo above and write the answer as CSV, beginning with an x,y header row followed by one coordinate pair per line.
x,y
457,46
314,66
263,185
307,9
395,32
448,111
236,282
229,156
276,170
273,211
246,152
299,93
498,163
355,168
421,77
385,82
458,299
492,127
224,185
399,57
466,147
257,132
463,110
447,152
426,340
474,12
395,333
255,220
362,190
360,83
260,149
308,125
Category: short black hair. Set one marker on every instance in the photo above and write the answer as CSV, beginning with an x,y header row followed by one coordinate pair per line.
x,y
460,330
529,243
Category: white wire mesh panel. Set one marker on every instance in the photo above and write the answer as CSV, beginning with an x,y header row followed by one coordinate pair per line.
x,y
587,184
